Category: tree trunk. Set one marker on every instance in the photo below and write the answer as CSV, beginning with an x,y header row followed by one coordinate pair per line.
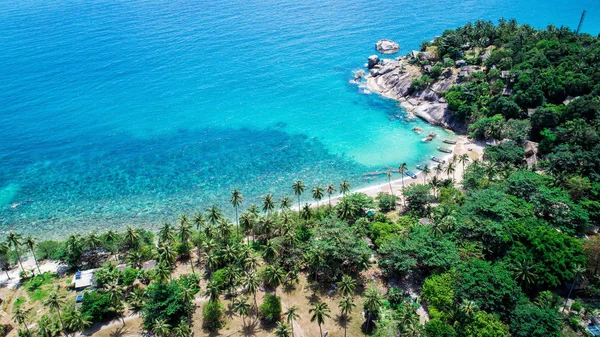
x,y
61,320
403,198
19,259
320,330
36,263
237,222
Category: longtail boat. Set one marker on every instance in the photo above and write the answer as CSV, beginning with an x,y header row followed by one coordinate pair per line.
x,y
449,141
410,174
420,167
438,160
444,149
427,139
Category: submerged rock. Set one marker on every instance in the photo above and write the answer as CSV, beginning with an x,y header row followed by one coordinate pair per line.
x,y
387,46
373,60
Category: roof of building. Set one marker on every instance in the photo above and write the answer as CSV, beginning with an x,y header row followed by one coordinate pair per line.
x,y
83,279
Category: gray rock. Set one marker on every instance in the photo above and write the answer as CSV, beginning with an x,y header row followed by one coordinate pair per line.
x,y
387,46
373,60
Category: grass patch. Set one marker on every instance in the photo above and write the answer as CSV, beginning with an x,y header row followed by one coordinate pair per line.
x,y
38,288
19,301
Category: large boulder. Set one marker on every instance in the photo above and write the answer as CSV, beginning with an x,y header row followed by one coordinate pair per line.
x,y
387,46
373,61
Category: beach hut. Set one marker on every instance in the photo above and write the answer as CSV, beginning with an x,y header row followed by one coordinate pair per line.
x,y
83,279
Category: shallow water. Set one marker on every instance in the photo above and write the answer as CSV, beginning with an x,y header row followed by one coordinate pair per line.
x,y
115,113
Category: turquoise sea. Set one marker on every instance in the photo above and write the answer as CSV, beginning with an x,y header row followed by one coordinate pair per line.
x,y
132,112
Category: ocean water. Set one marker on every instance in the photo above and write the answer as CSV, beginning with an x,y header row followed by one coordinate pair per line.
x,y
132,112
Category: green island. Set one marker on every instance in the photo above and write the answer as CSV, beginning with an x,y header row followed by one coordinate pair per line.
x,y
507,248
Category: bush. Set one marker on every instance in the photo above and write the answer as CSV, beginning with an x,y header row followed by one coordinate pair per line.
x,y
386,201
129,276
212,315
418,197
165,302
97,306
50,250
576,306
270,310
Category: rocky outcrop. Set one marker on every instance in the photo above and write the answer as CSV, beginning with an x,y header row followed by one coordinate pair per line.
x,y
393,78
387,46
372,61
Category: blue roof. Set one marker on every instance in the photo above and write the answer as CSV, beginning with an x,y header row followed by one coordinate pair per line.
x,y
593,330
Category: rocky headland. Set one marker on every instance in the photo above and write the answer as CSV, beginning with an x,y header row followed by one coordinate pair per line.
x,y
392,78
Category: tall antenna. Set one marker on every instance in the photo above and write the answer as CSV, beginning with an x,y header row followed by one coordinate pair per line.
x,y
580,21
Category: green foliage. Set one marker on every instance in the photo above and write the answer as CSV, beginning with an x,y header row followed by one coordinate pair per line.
x,y
213,313
487,127
383,232
422,83
437,328
507,152
530,320
355,205
486,325
419,250
49,249
386,201
40,286
270,309
490,286
164,302
438,292
98,306
418,196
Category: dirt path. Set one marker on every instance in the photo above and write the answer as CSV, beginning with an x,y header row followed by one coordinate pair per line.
x,y
298,331
29,264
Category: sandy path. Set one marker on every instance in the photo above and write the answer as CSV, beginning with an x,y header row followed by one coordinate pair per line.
x,y
29,264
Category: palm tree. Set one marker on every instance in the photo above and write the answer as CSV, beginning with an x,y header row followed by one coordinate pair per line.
x,y
214,214
30,243
247,224
187,296
251,283
285,203
54,302
401,169
389,179
79,321
212,291
330,189
450,170
166,233
236,200
46,327
524,273
4,259
346,305
182,329
241,307
161,328
20,316
468,308
438,169
463,159
93,241
110,237
319,312
426,171
14,241
185,234
373,302
291,315
274,276
115,295
346,285
163,273
435,184
345,187
268,204
132,237
298,188
317,193
306,212
282,330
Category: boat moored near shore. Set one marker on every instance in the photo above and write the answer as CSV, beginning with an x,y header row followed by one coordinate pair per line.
x,y
449,141
444,149
438,160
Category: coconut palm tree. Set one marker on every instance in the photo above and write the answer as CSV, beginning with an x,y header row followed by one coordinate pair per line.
x,y
54,302
426,171
161,328
347,285
4,259
241,307
185,235
330,189
14,240
468,308
115,296
524,273
132,237
402,169
438,169
247,224
291,315
285,203
93,241
20,316
251,283
346,305
317,193
298,188
306,212
187,296
47,327
450,169
373,302
345,187
268,204
319,312
274,276
30,243
578,274
110,238
182,330
214,214
212,291
79,321
389,179
236,200
163,273
435,184
282,330
463,159
166,234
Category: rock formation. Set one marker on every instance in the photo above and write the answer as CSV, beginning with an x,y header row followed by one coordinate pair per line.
x,y
387,46
373,61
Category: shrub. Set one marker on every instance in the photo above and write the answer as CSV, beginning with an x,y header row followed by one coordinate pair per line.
x,y
212,315
576,306
128,276
97,306
270,310
386,201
